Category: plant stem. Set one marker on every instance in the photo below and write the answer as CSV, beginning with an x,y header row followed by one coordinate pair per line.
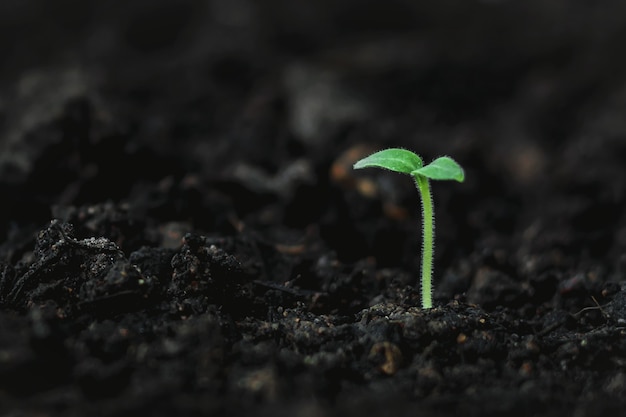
x,y
428,235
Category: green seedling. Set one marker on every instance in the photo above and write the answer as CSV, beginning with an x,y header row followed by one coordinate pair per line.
x,y
407,162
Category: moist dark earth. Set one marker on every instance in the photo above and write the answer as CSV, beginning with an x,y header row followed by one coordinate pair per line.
x,y
182,233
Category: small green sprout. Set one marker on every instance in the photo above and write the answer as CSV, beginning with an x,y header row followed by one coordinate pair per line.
x,y
407,162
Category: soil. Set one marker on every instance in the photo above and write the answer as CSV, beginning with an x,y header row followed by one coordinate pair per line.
x,y
182,233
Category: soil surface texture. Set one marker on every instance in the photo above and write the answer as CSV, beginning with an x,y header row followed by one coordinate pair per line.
x,y
182,232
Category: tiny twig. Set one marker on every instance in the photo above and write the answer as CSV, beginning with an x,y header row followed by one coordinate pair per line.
x,y
596,307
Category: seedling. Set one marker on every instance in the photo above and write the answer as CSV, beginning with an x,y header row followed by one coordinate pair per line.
x,y
407,162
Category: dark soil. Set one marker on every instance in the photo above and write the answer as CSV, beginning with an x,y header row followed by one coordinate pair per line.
x,y
183,235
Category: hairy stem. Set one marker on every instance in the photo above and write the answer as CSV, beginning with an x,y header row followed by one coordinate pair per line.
x,y
428,235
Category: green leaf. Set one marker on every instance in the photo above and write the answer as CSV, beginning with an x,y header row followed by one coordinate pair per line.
x,y
394,159
443,168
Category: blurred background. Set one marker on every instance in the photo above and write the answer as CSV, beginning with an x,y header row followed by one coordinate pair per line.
x,y
253,104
